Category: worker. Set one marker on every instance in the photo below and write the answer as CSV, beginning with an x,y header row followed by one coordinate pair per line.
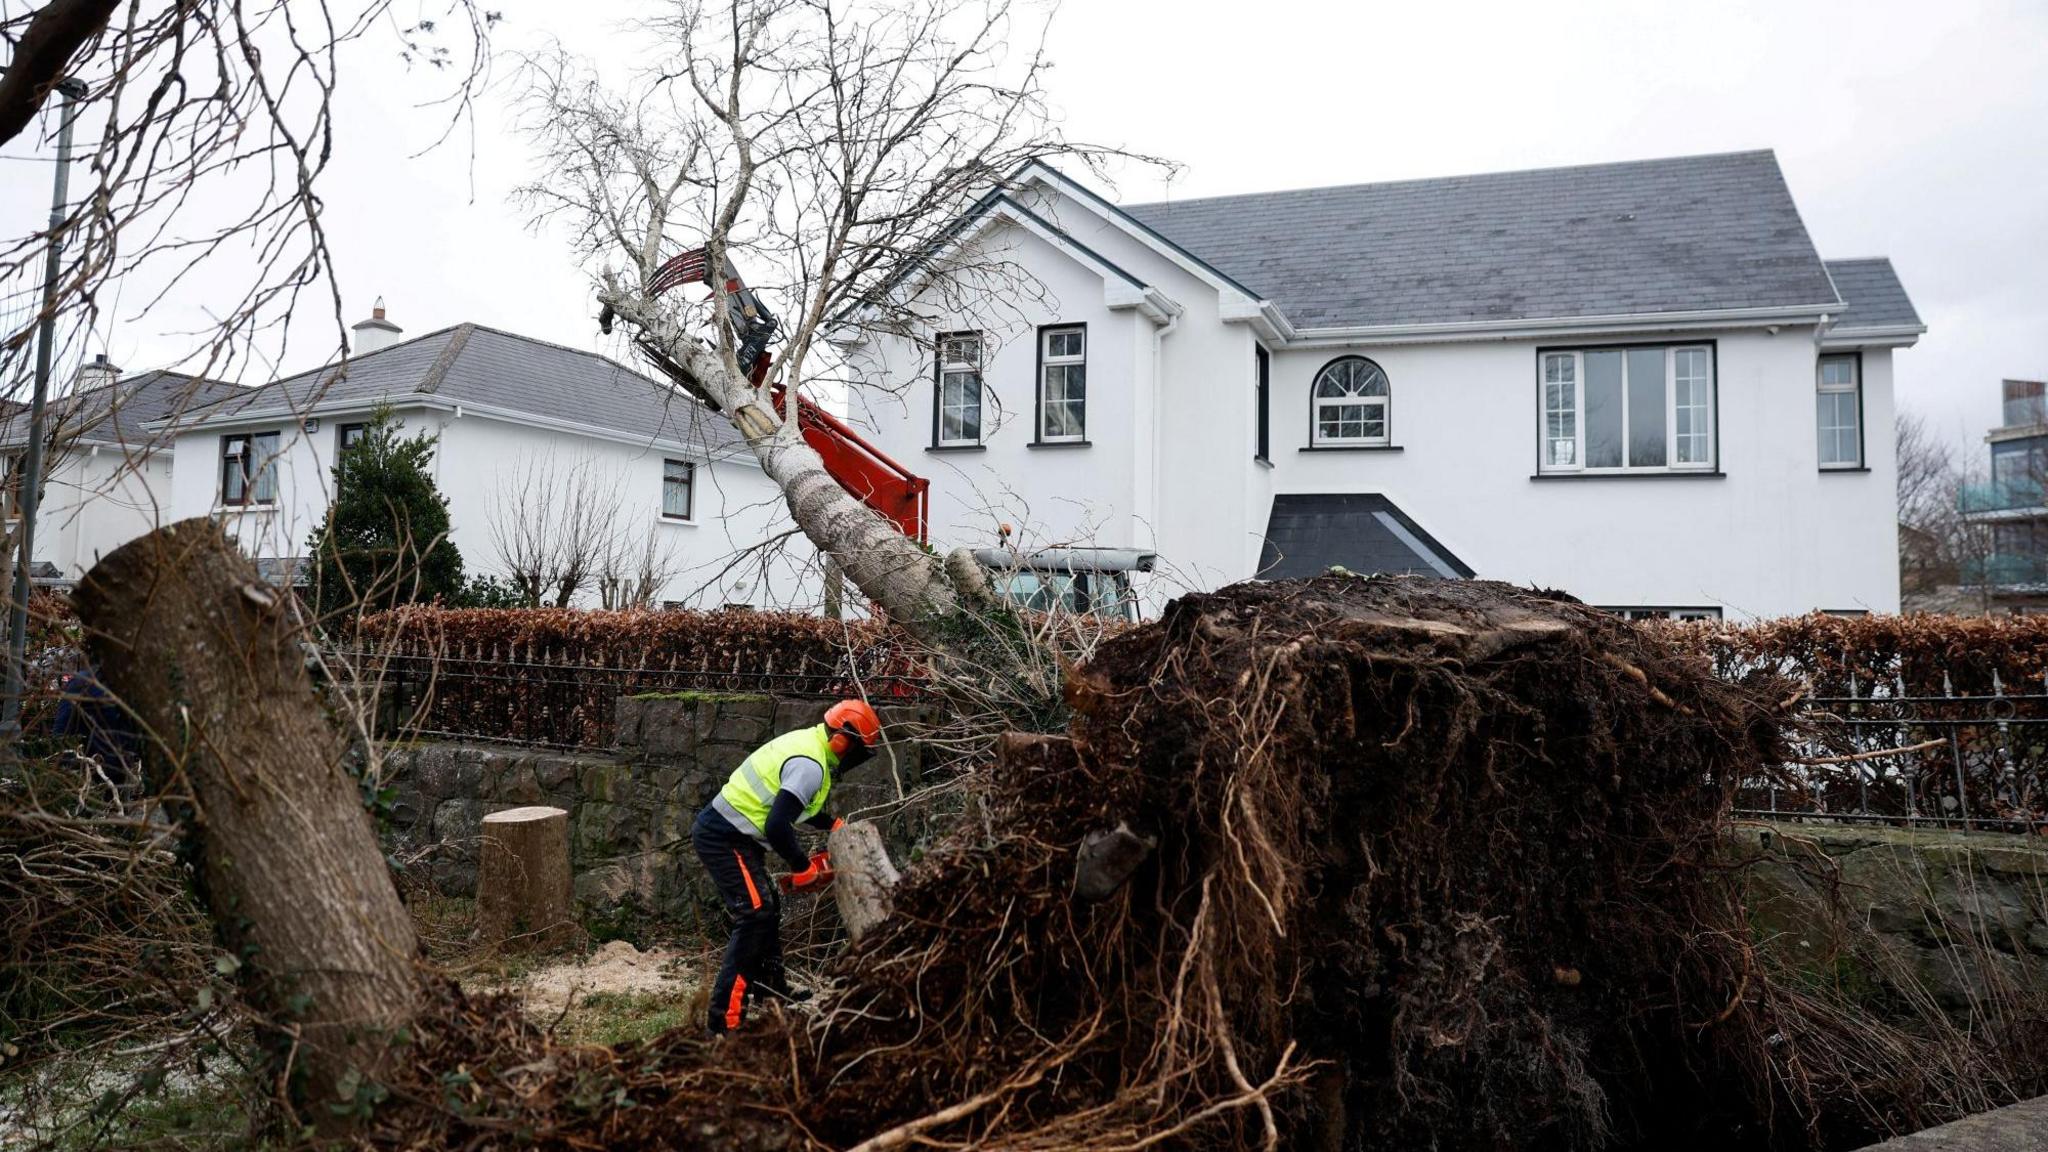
x,y
784,782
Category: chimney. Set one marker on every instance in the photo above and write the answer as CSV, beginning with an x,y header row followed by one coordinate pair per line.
x,y
376,332
98,373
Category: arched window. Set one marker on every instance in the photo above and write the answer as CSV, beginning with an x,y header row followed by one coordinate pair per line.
x,y
1352,403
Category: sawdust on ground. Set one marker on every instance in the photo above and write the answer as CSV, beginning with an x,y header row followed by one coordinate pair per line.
x,y
617,967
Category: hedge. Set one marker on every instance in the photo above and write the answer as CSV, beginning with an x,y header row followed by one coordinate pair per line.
x,y
1925,655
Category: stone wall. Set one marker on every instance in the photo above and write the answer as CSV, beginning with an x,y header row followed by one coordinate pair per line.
x,y
630,810
1888,912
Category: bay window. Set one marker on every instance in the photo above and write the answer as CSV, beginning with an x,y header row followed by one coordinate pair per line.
x,y
1839,412
957,421
1643,408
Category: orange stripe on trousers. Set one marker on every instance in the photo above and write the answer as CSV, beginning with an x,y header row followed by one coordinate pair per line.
x,y
735,1002
753,893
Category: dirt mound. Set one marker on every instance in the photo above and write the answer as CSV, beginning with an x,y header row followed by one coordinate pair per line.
x,y
1435,865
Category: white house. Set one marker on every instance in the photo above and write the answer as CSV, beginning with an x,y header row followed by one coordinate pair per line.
x,y
536,441
108,479
1635,382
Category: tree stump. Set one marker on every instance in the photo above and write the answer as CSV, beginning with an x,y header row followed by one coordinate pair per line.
x,y
862,876
524,891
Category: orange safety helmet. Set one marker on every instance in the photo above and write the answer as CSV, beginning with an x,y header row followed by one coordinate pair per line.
x,y
855,730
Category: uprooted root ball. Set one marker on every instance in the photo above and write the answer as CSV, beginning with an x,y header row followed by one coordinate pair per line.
x,y
1436,866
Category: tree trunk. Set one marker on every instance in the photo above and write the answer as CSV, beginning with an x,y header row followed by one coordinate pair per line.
x,y
891,569
523,887
862,876
186,634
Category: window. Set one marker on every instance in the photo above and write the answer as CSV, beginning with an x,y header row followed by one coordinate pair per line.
x,y
2026,403
1666,613
1062,384
1262,389
958,420
1351,403
1840,412
348,436
248,469
678,486
1636,409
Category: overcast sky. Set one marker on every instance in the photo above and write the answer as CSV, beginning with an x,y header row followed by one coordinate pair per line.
x,y
1913,130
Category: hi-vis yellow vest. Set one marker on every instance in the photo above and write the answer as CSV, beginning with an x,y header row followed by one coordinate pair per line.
x,y
751,791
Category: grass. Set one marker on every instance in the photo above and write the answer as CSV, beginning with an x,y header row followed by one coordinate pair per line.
x,y
625,1017
128,1102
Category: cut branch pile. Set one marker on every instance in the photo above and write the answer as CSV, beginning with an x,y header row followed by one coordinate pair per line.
x,y
1410,864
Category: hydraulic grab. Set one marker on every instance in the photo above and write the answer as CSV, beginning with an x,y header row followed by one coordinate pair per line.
x,y
861,468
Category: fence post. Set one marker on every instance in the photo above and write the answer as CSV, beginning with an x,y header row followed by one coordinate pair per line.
x,y
2008,769
1910,761
1856,745
1955,749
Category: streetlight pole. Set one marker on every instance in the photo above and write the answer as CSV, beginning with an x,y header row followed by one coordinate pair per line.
x,y
31,474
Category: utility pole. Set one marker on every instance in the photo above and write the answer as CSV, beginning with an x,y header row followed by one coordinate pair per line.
x,y
32,459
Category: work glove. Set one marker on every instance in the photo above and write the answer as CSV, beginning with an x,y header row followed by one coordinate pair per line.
x,y
813,878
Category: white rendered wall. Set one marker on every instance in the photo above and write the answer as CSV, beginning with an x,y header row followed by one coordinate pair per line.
x,y
1773,535
736,506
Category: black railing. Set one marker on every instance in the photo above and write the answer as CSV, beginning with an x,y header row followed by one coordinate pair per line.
x,y
1970,762
563,705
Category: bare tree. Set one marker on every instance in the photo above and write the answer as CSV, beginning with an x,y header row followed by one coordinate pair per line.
x,y
207,128
1929,518
634,570
557,529
831,146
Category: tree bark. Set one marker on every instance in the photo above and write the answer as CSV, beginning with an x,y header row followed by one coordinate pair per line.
x,y
863,876
43,54
524,889
891,569
187,634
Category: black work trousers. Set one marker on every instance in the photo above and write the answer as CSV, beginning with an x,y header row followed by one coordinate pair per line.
x,y
753,955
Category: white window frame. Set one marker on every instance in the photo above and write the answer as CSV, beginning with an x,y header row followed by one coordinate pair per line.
x,y
1048,361
1853,389
1384,402
968,369
689,482
1546,451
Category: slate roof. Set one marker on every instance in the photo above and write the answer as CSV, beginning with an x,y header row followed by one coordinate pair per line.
x,y
117,413
473,364
1874,296
1364,532
1696,233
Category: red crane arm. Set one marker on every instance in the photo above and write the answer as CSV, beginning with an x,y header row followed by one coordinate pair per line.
x,y
863,469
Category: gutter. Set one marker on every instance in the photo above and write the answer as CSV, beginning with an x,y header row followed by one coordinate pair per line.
x,y
1890,335
455,410
1566,325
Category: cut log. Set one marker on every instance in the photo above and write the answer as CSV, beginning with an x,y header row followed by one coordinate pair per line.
x,y
187,634
863,876
524,891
